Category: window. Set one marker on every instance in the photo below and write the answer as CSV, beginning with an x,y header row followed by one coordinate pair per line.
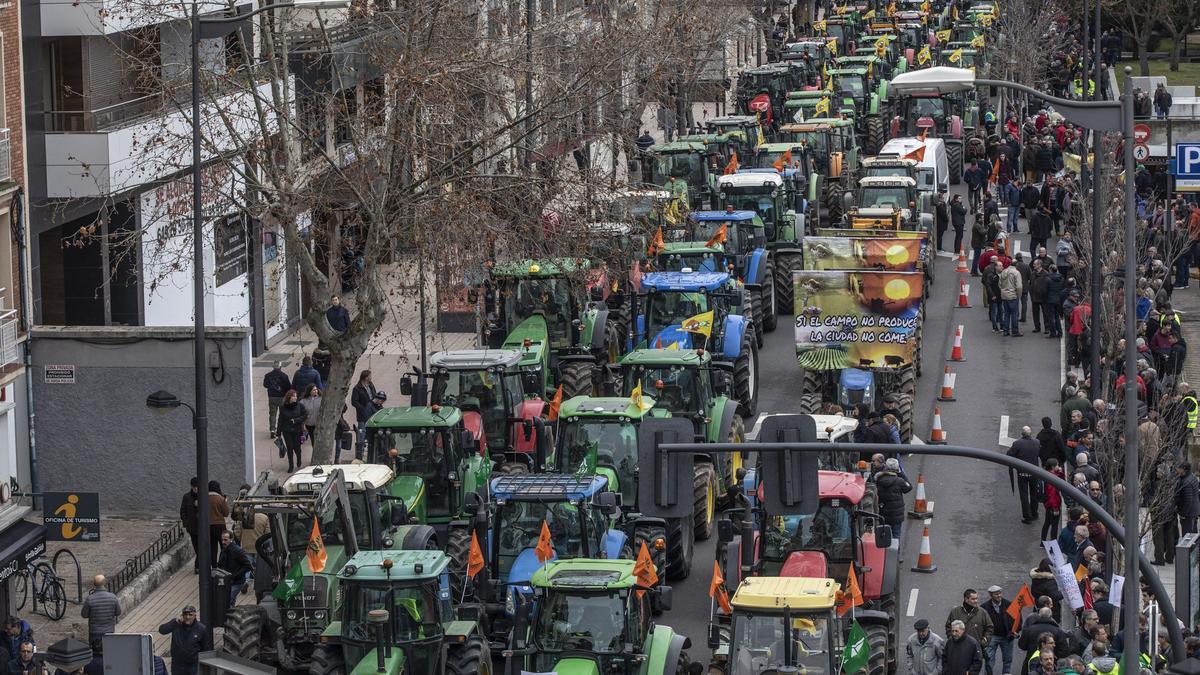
x,y
312,121
231,259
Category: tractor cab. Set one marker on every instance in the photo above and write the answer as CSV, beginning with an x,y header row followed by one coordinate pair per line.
x,y
815,51
762,90
883,196
959,55
722,145
779,624
800,106
776,196
600,434
690,162
889,166
748,125
686,384
833,143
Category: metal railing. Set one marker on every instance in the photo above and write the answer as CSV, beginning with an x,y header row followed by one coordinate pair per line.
x,y
354,28
9,353
5,156
136,565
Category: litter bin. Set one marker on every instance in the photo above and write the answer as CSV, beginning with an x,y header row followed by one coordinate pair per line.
x,y
218,596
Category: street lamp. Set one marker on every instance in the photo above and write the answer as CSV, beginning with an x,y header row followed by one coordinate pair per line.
x,y
209,28
1098,116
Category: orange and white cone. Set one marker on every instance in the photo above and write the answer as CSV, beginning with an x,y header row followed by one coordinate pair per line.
x,y
925,559
937,435
947,385
956,353
922,508
962,261
964,299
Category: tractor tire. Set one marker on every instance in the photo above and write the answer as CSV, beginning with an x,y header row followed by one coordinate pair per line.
x,y
809,404
812,382
510,468
576,379
420,538
745,378
458,549
756,313
648,535
785,263
681,546
954,158
916,360
831,201
327,660
875,135
685,662
245,626
704,500
904,405
770,308
471,657
877,642
907,383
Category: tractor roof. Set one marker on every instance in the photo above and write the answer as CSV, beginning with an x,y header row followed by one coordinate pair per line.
x,y
841,485
832,427
720,216
395,565
603,406
585,574
313,478
475,359
890,160
848,71
806,95
901,147
685,281
767,69
887,181
768,178
546,487
780,147
730,120
553,267
863,58
783,593
815,124
416,417
666,357
691,247
609,228
676,146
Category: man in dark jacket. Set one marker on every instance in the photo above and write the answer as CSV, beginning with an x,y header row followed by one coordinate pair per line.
x,y
101,609
961,655
189,510
1027,450
1030,196
892,485
975,178
1045,159
366,401
337,315
233,559
1037,292
1055,285
1043,622
1051,444
188,639
277,384
997,608
306,375
941,213
958,220
1187,498
1040,227
991,292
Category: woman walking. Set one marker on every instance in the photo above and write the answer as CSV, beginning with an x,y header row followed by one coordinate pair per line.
x,y
292,416
312,405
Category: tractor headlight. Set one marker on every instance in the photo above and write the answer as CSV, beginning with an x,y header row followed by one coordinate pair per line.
x,y
319,615
291,615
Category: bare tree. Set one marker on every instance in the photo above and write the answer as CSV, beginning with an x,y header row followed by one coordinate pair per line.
x,y
1180,18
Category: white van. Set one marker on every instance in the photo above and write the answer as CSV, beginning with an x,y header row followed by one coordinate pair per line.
x,y
932,170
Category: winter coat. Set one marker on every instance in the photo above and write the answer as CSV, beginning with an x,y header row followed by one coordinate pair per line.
x,y
958,214
312,407
1052,446
304,376
924,658
1010,284
1037,286
892,487
218,509
1035,626
1054,287
361,399
186,641
979,624
975,177
1045,158
991,284
338,318
1001,621
1187,496
1040,225
1062,250
1050,494
189,510
291,418
1026,450
1042,583
233,559
101,609
962,656
276,383
1030,197
1011,195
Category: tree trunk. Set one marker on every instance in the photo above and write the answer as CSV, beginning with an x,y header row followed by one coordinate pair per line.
x,y
1143,48
1176,44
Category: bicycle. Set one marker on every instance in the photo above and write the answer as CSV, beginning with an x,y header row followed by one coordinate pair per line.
x,y
47,589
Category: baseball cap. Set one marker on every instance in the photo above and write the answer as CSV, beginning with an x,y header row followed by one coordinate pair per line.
x,y
189,609
921,624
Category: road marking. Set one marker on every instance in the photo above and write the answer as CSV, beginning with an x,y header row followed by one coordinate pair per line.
x,y
1016,246
1004,440
916,441
912,602
941,254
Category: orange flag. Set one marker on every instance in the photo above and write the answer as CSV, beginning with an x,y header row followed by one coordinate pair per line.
x,y
643,569
732,166
995,171
1081,572
656,244
783,161
720,237
1024,599
716,589
475,557
918,154
544,550
555,404
853,595
316,549
923,134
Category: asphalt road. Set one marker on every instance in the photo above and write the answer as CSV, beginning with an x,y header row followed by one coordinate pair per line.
x,y
976,533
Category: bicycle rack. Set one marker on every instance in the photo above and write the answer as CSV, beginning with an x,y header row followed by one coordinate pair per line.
x,y
78,573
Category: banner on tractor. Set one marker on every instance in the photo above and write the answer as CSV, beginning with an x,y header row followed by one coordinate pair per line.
x,y
856,253
856,318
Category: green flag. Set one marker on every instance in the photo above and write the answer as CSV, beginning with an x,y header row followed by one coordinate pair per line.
x,y
857,653
587,467
290,585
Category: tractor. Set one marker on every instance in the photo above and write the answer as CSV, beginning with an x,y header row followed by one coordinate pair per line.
x,y
589,617
555,313
963,55
744,245
762,90
723,144
800,106
861,86
885,166
813,50
693,162
834,147
676,305
940,111
356,507
396,615
893,60
749,125
884,196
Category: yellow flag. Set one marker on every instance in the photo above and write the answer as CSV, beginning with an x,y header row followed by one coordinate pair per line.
x,y
881,47
891,8
822,108
925,6
673,345
977,42
819,26
701,323
831,44
942,35
924,55
840,10
955,56
637,399
869,15
829,84
986,19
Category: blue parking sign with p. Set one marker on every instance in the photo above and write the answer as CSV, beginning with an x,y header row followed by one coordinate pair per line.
x,y
1186,163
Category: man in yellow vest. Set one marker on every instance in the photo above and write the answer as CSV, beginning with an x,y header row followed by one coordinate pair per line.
x,y
1190,405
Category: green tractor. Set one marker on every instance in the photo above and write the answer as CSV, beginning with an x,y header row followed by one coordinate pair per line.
x,y
357,507
693,162
748,125
833,143
554,312
397,616
860,85
590,617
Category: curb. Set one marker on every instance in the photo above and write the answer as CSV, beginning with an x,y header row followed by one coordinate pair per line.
x,y
156,574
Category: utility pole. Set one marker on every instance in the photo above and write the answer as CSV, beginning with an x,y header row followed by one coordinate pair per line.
x,y
530,22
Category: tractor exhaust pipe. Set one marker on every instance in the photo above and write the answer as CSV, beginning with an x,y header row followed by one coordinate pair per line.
x,y
379,617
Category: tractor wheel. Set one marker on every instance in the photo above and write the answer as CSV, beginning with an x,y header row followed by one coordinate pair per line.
x,y
244,628
904,405
770,307
785,263
458,549
327,660
745,378
812,382
810,404
877,642
648,534
737,434
875,135
704,500
576,379
472,656
510,468
954,158
907,383
917,348
685,662
756,313
832,203
681,544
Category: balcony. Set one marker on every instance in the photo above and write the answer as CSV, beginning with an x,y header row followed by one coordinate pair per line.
x,y
334,59
5,157
9,343
107,118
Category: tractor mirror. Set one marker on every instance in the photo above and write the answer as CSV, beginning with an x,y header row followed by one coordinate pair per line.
x,y
399,513
607,501
793,489
527,429
664,487
472,501
406,386
883,536
664,597
725,530
468,439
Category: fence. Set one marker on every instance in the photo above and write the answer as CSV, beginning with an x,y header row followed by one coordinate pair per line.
x,y
135,566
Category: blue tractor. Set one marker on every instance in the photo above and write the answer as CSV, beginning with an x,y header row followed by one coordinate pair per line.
x,y
702,310
746,257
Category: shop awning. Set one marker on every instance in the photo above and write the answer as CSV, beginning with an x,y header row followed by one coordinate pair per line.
x,y
19,544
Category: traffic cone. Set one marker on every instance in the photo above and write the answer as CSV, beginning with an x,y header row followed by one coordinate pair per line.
x,y
956,353
964,300
947,386
921,507
962,261
937,436
925,559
